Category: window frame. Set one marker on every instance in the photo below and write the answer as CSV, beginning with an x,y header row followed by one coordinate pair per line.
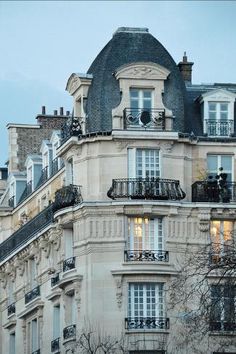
x,y
132,161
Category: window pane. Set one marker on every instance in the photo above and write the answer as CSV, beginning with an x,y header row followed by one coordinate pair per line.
x,y
134,93
212,163
147,94
224,107
226,163
212,115
212,106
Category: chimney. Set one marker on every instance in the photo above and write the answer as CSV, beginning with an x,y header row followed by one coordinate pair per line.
x,y
185,68
61,111
67,113
43,110
55,112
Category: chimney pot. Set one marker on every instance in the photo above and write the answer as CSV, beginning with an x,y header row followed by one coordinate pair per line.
x,y
67,113
55,112
61,111
185,68
43,110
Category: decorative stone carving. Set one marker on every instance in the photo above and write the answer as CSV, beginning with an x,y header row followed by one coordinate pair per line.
x,y
143,70
10,270
78,285
119,289
44,245
204,220
19,264
167,147
34,251
55,237
121,145
3,279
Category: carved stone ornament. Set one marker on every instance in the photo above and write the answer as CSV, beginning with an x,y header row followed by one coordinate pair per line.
x,y
144,70
34,251
20,266
55,237
119,289
121,145
167,147
44,245
204,220
3,279
78,285
10,270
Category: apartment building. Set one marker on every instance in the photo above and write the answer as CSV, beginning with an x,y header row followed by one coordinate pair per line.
x,y
101,213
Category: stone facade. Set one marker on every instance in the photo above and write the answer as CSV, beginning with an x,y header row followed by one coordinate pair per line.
x,y
98,245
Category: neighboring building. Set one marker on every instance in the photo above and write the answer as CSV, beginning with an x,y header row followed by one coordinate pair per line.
x,y
98,217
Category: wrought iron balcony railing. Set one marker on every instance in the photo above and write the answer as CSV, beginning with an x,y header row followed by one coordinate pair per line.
x,y
69,331
146,323
223,326
44,176
68,264
56,165
149,118
219,128
11,309
26,232
67,196
207,191
146,188
55,345
55,280
32,294
72,127
145,255
11,202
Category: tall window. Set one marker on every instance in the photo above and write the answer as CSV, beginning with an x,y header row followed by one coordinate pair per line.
x,y
223,312
140,98
146,305
34,334
218,123
56,322
70,172
12,343
145,234
143,163
215,162
221,238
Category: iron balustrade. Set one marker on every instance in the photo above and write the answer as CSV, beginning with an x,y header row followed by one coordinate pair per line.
x,y
68,264
72,127
67,196
11,309
146,255
11,202
146,323
144,117
69,331
219,128
36,351
146,188
55,280
224,326
211,191
32,294
55,344
26,232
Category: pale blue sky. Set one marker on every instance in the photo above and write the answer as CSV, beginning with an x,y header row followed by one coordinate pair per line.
x,y
43,42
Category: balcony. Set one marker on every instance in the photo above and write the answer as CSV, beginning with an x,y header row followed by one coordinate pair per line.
x,y
67,196
26,232
11,309
32,294
144,118
219,128
222,326
69,264
207,191
72,127
140,323
146,188
55,280
145,255
69,332
55,345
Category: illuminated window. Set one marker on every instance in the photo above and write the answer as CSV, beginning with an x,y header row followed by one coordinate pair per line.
x,y
221,237
145,234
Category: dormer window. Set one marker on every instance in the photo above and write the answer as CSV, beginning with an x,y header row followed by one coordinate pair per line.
x,y
218,113
140,98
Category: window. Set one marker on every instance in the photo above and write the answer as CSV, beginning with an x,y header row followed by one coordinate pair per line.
x,y
140,98
215,162
146,306
56,322
145,240
218,123
12,343
70,172
33,336
223,308
143,163
221,238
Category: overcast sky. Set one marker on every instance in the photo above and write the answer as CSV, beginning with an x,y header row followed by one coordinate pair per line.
x,y
43,42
